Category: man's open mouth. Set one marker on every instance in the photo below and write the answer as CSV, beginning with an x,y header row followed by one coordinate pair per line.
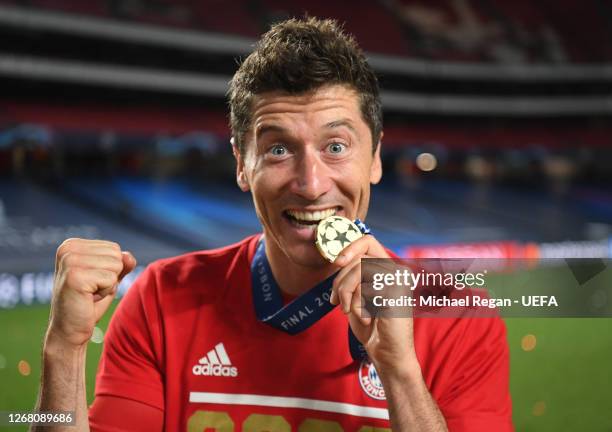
x,y
308,219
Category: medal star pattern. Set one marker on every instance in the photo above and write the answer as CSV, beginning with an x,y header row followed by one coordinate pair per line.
x,y
334,234
328,224
342,238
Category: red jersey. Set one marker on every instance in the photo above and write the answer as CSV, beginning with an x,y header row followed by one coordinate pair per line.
x,y
185,339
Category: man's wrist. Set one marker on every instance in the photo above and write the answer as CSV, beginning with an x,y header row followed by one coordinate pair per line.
x,y
408,371
57,348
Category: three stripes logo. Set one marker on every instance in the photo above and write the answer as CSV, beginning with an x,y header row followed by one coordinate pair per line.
x,y
215,363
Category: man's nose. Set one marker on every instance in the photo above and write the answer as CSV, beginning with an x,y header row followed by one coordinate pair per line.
x,y
312,176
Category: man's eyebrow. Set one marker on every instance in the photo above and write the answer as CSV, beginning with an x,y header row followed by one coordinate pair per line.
x,y
268,128
342,122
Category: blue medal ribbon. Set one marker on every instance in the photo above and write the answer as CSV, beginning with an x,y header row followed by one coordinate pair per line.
x,y
302,312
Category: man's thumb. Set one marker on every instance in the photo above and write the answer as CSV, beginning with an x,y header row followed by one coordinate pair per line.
x,y
129,262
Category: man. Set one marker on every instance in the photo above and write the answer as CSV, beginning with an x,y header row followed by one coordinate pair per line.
x,y
189,347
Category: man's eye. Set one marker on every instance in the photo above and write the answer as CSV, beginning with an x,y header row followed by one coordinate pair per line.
x,y
278,150
336,148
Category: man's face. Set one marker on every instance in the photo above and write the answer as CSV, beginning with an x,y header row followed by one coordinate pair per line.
x,y
307,157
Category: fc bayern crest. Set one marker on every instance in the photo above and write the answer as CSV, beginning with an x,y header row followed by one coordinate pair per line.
x,y
370,381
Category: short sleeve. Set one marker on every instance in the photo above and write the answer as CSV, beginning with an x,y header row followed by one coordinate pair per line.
x,y
132,361
478,396
113,414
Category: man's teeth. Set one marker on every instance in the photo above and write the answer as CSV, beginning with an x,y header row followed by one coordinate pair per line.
x,y
311,216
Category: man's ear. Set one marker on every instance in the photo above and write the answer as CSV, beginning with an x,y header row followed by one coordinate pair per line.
x,y
241,178
376,167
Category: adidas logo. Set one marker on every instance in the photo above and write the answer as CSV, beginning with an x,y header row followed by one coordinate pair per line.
x,y
215,363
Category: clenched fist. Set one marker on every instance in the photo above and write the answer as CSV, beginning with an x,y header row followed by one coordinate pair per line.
x,y
87,273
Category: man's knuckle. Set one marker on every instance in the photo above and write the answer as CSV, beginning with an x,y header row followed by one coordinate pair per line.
x,y
115,246
109,276
72,276
63,248
68,241
335,284
114,277
70,259
116,255
116,266
65,260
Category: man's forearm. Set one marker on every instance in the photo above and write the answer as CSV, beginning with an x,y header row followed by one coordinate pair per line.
x,y
63,384
411,407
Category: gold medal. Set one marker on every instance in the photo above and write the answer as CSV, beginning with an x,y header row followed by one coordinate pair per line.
x,y
334,233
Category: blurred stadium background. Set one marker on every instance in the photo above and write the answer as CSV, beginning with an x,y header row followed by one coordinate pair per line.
x,y
498,143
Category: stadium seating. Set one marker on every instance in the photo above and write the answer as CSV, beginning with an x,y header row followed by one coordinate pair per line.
x,y
491,30
153,119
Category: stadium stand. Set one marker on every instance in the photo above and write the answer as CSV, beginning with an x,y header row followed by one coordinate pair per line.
x,y
34,219
452,30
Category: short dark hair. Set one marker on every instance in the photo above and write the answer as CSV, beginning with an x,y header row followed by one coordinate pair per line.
x,y
298,56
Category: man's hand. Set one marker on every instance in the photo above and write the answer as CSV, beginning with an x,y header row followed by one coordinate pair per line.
x,y
87,273
388,341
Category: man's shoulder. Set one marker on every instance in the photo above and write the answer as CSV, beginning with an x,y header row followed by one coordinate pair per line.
x,y
202,266
450,329
205,257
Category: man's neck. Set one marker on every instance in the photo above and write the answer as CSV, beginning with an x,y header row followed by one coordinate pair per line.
x,y
292,278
